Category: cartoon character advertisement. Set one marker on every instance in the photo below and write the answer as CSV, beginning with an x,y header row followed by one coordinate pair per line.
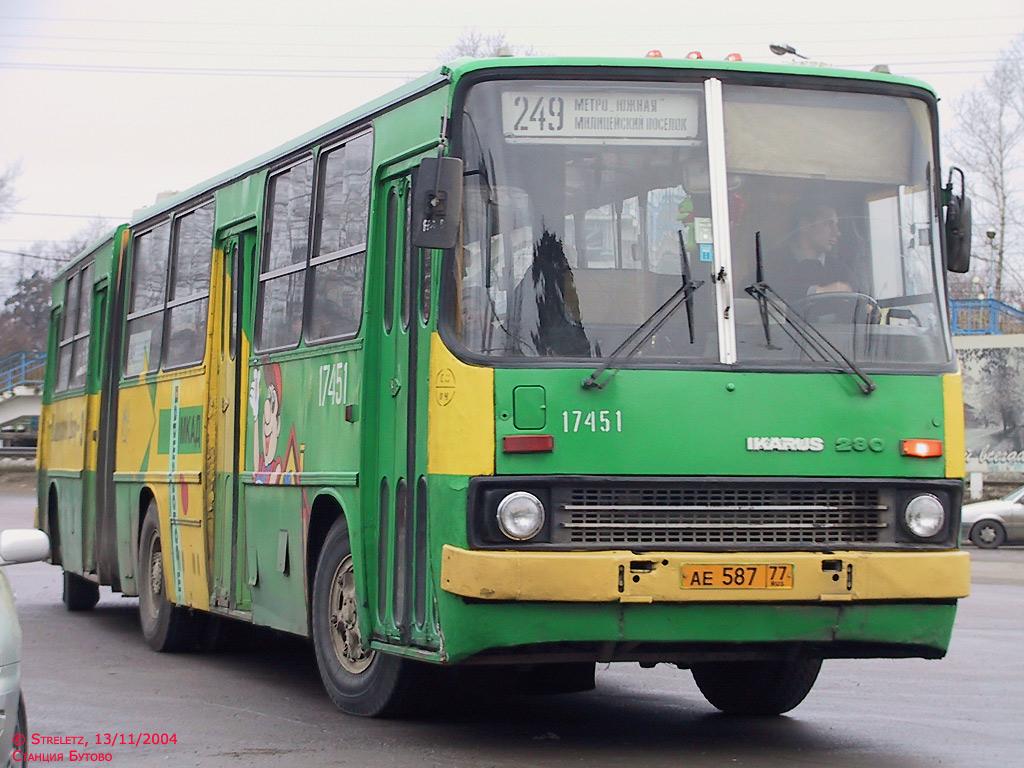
x,y
275,462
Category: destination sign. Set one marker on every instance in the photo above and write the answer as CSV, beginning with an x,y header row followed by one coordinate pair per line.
x,y
553,114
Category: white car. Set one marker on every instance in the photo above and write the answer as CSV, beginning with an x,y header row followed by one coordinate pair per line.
x,y
16,546
989,524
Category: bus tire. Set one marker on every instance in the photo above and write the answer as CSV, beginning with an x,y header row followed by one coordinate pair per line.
x,y
359,681
80,594
756,687
166,627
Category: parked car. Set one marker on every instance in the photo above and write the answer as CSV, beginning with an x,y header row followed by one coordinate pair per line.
x,y
989,524
16,546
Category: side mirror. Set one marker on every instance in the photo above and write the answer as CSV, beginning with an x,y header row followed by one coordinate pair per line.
x,y
437,202
958,226
23,546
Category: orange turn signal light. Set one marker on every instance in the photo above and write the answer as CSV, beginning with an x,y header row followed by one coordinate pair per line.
x,y
921,449
528,443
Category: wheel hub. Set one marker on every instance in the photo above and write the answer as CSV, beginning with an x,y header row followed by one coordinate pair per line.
x,y
154,580
344,621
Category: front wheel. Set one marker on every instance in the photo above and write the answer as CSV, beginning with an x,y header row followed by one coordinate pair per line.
x,y
756,687
360,681
988,534
166,627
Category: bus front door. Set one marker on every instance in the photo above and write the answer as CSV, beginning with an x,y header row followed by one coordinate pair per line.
x,y
402,583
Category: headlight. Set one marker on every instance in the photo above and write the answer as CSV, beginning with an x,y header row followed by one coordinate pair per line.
x,y
925,515
520,515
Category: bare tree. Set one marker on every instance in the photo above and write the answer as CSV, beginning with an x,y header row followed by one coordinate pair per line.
x,y
479,45
7,198
989,144
25,313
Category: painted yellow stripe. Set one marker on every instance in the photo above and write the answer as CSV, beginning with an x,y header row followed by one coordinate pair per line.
x,y
953,418
602,577
460,430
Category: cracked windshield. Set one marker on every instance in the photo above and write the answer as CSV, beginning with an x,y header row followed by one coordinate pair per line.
x,y
588,215
575,198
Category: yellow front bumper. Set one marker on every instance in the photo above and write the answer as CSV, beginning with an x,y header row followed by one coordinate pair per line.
x,y
603,577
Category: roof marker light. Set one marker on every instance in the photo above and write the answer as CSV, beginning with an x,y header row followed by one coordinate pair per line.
x,y
921,448
734,57
654,53
695,55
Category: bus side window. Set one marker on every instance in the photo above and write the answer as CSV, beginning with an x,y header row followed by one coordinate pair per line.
x,y
79,366
146,305
67,332
190,288
338,263
282,274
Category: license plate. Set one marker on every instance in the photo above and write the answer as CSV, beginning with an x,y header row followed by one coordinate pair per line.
x,y
755,576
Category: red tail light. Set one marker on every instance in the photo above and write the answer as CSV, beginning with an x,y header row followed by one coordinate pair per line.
x,y
528,443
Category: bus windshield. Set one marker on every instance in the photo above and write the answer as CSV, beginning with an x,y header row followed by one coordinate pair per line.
x,y
588,204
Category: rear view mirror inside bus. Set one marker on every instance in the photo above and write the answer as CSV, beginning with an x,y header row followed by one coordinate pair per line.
x,y
437,202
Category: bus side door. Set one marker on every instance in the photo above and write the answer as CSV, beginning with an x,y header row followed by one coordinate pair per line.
x,y
229,588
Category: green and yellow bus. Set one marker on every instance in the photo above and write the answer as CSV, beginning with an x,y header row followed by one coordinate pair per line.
x,y
537,363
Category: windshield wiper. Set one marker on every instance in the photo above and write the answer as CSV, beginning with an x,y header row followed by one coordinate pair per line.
x,y
683,295
802,333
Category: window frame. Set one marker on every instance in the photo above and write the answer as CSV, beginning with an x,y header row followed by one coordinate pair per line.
x,y
165,306
78,337
349,252
319,157
265,276
170,304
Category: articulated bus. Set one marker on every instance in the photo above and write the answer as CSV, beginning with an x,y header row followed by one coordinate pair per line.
x,y
534,364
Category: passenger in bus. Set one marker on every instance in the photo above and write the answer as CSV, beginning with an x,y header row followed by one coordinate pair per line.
x,y
809,265
546,307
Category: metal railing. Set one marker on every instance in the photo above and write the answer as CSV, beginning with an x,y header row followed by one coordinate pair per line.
x,y
21,368
984,316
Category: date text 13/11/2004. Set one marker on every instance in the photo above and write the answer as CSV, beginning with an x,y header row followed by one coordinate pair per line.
x,y
98,740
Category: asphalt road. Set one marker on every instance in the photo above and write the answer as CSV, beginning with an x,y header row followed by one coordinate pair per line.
x,y
89,675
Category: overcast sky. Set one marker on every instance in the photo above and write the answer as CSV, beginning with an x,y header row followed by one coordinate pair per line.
x,y
105,103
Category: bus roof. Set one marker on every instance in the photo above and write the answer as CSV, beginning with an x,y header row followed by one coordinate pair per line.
x,y
459,68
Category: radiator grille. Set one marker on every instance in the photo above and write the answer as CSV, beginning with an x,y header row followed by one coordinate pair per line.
x,y
713,515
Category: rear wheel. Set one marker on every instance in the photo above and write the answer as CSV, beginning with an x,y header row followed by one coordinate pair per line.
x,y
166,627
988,534
756,687
80,594
359,680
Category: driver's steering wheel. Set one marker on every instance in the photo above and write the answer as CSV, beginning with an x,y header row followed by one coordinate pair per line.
x,y
839,307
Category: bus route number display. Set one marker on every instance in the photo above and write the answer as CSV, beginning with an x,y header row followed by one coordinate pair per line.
x,y
551,115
